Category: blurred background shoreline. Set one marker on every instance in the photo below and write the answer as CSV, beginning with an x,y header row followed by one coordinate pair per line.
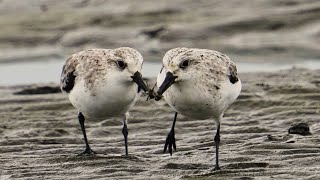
x,y
271,34
48,71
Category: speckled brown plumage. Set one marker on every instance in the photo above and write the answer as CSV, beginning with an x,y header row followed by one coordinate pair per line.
x,y
91,64
207,65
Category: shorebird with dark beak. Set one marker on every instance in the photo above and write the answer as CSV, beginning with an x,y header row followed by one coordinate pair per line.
x,y
103,83
197,83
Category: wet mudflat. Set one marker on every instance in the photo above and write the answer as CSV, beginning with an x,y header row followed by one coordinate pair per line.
x,y
40,136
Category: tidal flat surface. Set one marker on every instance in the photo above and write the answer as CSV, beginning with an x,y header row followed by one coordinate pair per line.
x,y
40,136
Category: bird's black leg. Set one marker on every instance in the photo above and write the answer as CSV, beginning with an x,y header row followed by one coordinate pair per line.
x,y
171,141
217,143
125,135
88,150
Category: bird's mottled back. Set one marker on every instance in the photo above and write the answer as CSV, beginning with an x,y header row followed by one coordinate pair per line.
x,y
203,63
91,64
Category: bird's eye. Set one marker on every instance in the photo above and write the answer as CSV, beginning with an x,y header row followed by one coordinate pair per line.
x,y
121,64
184,64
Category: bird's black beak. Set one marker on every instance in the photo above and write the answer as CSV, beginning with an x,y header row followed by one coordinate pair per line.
x,y
168,81
137,78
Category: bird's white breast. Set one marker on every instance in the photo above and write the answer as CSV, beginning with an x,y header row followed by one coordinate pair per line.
x,y
194,100
110,97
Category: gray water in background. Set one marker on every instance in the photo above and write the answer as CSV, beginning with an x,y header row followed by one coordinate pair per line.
x,y
49,71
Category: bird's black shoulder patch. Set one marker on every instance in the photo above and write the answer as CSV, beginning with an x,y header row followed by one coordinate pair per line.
x,y
68,82
233,77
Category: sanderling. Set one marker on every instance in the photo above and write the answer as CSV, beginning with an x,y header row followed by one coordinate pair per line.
x,y
203,84
103,83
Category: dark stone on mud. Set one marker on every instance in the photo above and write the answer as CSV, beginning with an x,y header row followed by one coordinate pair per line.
x,y
39,90
300,128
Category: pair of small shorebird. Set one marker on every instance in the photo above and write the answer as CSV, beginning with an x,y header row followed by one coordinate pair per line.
x,y
104,83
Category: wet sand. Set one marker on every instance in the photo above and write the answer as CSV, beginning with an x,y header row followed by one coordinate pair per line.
x,y
40,136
